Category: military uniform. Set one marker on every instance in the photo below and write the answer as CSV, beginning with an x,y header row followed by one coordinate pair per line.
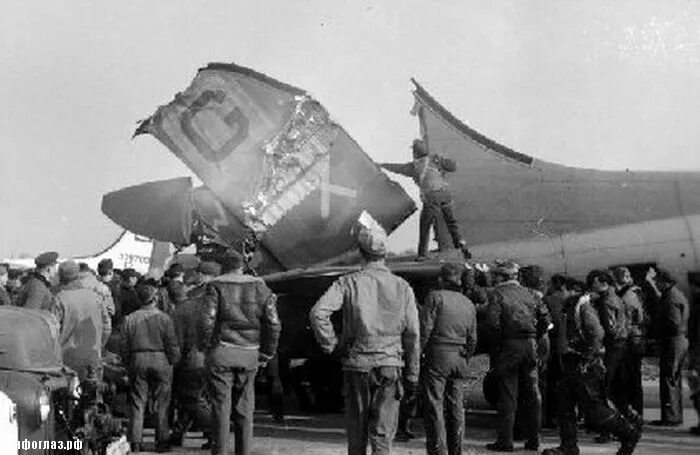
x,y
554,302
515,319
190,378
672,318
448,339
613,318
632,299
149,347
694,355
379,338
85,325
37,293
238,325
428,171
582,384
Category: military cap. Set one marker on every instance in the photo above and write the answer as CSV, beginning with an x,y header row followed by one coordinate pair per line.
x,y
128,273
372,240
45,259
505,267
68,271
209,268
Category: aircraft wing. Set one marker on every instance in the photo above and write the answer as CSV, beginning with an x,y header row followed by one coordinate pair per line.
x,y
276,164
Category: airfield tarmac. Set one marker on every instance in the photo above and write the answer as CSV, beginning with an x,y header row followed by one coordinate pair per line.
x,y
323,434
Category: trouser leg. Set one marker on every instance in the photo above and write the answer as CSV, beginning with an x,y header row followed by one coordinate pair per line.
x,y
566,412
507,401
673,352
454,415
243,404
550,391
433,414
220,382
357,405
162,377
532,413
138,396
384,409
615,388
633,376
591,398
427,218
451,222
694,385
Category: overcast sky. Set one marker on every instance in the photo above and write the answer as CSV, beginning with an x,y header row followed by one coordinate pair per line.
x,y
600,84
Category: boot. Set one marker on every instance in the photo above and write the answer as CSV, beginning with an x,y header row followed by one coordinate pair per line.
x,y
561,451
627,431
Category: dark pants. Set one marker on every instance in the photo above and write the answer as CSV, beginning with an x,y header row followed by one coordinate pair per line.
x,y
371,409
437,204
443,393
672,354
551,386
149,370
193,403
231,379
582,385
633,374
616,358
516,373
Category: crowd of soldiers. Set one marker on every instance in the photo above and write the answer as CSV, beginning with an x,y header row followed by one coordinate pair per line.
x,y
558,352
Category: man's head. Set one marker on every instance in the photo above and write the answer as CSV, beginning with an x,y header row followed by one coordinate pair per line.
x,y
372,242
558,282
130,277
599,281
147,290
47,264
532,276
208,270
68,272
504,270
105,269
623,277
233,261
664,280
176,272
419,149
451,274
4,269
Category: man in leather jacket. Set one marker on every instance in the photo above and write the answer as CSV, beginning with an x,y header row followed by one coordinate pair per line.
x,y
582,387
239,331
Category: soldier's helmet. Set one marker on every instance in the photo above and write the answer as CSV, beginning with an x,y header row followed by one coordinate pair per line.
x,y
505,267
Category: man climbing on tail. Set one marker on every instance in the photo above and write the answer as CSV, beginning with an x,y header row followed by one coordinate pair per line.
x,y
428,171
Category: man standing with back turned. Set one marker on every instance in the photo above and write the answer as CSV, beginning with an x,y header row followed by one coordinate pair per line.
x,y
515,320
380,323
448,339
238,330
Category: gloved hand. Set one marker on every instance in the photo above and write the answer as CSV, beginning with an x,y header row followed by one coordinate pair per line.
x,y
410,390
